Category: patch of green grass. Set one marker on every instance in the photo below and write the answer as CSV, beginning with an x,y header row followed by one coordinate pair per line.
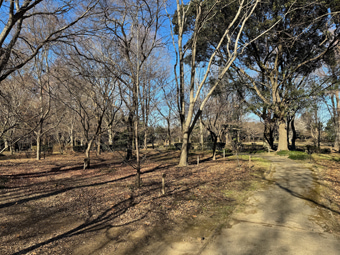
x,y
283,153
295,155
326,157
336,159
299,155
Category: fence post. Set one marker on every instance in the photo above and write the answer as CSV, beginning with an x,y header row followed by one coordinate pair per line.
x,y
198,159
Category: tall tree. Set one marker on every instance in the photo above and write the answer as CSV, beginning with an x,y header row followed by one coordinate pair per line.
x,y
192,25
283,60
133,26
332,96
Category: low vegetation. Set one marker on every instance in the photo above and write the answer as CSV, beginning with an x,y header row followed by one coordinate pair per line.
x,y
295,155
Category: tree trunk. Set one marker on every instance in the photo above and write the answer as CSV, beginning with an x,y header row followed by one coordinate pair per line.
x,y
294,134
201,134
288,129
110,135
269,134
72,139
38,134
6,144
214,145
283,146
88,149
11,148
319,136
137,153
38,146
145,138
183,160
87,154
130,136
169,131
228,144
98,144
337,123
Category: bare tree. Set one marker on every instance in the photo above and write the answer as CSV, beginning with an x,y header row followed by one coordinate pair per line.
x,y
91,91
222,112
22,19
44,93
151,81
231,41
133,27
166,109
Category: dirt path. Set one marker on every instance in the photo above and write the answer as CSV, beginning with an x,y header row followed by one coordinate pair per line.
x,y
278,220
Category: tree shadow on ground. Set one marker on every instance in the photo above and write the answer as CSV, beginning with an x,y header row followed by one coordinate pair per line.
x,y
80,185
103,221
176,190
295,194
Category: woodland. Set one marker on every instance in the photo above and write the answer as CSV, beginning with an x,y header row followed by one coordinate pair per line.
x,y
124,74
97,92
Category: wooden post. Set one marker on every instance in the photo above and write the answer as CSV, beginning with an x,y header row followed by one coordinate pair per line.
x,y
163,183
198,159
223,153
249,161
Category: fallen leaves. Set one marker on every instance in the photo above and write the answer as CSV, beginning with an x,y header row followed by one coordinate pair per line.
x,y
54,205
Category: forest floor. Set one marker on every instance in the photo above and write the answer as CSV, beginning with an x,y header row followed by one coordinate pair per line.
x,y
53,206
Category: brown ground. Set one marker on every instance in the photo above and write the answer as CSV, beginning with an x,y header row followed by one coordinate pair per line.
x,y
328,167
54,207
